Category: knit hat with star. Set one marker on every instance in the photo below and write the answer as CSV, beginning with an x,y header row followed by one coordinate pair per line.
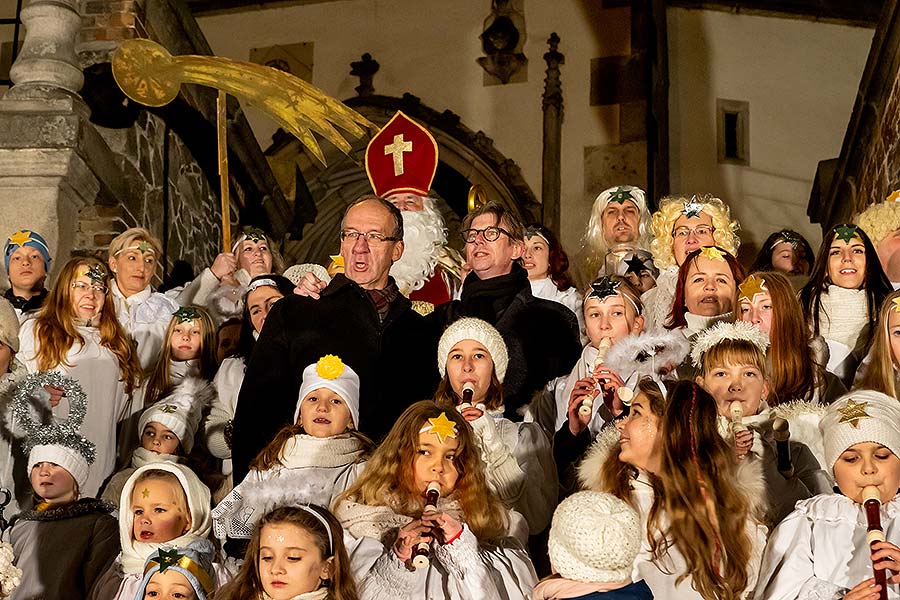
x,y
860,416
594,537
180,410
331,373
194,562
22,238
482,332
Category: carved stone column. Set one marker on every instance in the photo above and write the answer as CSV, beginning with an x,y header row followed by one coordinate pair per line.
x,y
551,184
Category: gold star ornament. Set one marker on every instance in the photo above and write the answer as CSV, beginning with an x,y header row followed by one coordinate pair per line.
x,y
441,426
853,412
752,286
20,238
712,253
896,302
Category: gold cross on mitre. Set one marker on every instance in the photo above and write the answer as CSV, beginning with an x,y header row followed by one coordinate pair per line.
x,y
397,149
441,426
852,412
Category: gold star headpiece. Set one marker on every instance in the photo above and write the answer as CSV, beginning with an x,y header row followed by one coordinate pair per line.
x,y
713,253
853,412
752,286
441,426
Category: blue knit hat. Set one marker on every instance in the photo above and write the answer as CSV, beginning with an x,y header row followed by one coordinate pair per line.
x,y
194,561
26,237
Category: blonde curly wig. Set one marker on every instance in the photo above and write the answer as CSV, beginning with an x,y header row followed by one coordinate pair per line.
x,y
878,220
670,209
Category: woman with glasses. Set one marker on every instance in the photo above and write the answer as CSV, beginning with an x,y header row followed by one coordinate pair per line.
x,y
681,225
77,334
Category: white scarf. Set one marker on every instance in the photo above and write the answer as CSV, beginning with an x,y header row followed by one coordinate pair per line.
x,y
698,323
141,456
307,451
843,316
381,522
179,370
319,594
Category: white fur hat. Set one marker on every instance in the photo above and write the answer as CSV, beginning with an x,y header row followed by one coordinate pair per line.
x,y
594,537
66,457
331,373
180,411
483,332
9,325
860,416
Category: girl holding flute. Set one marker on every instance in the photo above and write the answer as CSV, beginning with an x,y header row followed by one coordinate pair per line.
x,y
472,554
823,549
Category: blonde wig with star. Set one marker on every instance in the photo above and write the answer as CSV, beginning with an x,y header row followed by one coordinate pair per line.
x,y
672,207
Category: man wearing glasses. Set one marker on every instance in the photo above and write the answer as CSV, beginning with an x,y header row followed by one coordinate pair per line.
x,y
541,336
360,317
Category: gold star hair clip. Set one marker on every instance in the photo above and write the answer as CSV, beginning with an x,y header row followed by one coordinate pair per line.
x,y
441,426
896,302
752,286
713,253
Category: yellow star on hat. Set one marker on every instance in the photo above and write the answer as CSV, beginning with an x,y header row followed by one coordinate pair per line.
x,y
20,238
441,426
752,286
852,412
712,253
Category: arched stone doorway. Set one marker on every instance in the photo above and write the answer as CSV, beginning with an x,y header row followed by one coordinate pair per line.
x,y
466,158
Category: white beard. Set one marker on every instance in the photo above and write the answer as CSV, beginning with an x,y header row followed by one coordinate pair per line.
x,y
423,238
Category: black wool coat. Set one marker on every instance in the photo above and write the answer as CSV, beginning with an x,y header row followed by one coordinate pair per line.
x,y
396,362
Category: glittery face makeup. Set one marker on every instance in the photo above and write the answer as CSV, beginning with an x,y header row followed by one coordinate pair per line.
x,y
290,562
639,436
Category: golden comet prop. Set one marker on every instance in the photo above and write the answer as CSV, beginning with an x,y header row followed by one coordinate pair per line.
x,y
148,74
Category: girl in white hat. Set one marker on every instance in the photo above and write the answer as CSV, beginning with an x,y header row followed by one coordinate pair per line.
x,y
310,461
821,550
520,467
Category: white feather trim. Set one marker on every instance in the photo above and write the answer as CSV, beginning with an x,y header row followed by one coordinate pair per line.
x,y
739,330
803,419
652,354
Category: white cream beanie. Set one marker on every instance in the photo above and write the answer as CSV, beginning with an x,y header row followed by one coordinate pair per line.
x,y
482,332
180,411
331,373
594,537
66,457
860,416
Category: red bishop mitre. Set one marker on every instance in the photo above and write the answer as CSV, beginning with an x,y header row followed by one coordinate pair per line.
x,y
402,158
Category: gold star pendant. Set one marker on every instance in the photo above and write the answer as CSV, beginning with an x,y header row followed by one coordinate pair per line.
x,y
752,286
441,426
852,412
712,253
20,238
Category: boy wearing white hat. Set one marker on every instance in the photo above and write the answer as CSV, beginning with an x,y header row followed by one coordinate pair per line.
x,y
59,462
594,541
822,549
166,430
310,461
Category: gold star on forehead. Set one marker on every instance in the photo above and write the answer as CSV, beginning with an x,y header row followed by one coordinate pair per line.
x,y
852,412
441,426
712,253
752,286
20,238
145,493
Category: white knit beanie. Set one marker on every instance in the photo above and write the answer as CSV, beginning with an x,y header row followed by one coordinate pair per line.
x,y
180,411
331,373
9,325
860,416
482,332
66,457
594,537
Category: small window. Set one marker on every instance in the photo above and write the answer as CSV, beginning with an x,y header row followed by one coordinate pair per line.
x,y
733,131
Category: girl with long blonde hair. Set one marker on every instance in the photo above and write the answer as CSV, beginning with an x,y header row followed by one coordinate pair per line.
x,y
467,531
880,371
699,505
77,334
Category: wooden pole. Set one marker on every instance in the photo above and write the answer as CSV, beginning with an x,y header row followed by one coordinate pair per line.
x,y
222,130
551,181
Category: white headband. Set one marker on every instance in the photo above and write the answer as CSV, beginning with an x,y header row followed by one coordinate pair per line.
x,y
261,283
322,520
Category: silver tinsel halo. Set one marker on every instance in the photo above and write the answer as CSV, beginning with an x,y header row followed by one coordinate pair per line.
x,y
740,330
62,432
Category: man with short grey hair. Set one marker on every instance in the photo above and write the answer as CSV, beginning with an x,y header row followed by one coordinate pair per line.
x,y
362,318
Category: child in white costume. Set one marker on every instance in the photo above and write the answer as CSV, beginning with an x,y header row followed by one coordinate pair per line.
x,y
472,553
820,550
517,456
309,462
144,527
